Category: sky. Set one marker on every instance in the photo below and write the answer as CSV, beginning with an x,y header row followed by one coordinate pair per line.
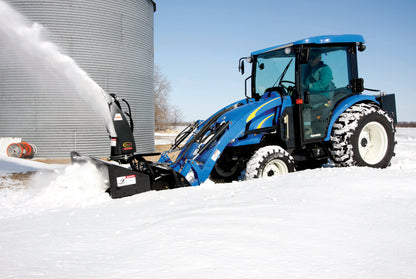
x,y
198,45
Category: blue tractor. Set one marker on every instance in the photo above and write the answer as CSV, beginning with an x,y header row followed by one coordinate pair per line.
x,y
303,106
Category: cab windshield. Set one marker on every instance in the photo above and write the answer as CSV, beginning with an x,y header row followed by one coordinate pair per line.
x,y
274,69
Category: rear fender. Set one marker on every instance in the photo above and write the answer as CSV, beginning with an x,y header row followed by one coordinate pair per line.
x,y
344,105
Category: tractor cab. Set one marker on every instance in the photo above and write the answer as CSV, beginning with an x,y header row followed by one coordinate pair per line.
x,y
316,73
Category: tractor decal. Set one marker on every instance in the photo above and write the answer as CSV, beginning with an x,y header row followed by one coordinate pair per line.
x,y
253,114
264,120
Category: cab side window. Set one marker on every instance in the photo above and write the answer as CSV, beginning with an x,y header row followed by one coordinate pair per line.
x,y
325,81
337,61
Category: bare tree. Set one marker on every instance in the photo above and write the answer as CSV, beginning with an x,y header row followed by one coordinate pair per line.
x,y
407,124
165,114
161,93
176,117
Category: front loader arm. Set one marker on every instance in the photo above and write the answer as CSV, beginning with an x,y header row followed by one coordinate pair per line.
x,y
197,165
233,124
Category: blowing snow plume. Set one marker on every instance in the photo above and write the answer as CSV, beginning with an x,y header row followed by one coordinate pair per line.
x,y
50,187
30,39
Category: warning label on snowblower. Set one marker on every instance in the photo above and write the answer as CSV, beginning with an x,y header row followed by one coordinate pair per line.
x,y
126,180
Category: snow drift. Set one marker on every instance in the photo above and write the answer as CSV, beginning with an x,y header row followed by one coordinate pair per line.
x,y
323,223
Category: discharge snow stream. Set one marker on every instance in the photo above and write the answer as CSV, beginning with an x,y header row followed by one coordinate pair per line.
x,y
61,186
16,30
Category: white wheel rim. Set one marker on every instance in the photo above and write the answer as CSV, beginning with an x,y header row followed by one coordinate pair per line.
x,y
275,167
373,143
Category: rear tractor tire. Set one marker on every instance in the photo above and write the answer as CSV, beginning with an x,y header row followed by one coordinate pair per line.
x,y
269,161
363,135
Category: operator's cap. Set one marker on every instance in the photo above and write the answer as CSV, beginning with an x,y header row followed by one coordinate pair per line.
x,y
314,53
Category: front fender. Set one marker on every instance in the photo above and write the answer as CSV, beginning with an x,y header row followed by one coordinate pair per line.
x,y
344,105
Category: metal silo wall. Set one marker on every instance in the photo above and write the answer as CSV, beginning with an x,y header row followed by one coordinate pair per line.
x,y
112,41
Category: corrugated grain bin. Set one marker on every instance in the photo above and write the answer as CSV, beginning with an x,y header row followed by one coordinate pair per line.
x,y
112,41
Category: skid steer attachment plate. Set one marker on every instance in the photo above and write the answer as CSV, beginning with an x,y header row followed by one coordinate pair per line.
x,y
121,182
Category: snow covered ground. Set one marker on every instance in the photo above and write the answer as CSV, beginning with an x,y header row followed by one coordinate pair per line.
x,y
323,223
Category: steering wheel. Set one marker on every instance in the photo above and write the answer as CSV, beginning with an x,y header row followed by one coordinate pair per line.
x,y
288,88
286,81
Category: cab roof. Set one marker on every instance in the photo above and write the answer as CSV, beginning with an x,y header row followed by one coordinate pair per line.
x,y
320,40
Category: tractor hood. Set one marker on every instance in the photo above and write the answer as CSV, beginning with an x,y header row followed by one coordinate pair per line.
x,y
254,114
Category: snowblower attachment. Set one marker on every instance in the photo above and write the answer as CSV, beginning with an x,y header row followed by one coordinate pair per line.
x,y
127,173
120,181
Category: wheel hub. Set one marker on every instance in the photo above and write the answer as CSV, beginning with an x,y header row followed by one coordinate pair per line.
x,y
270,173
364,142
373,143
275,167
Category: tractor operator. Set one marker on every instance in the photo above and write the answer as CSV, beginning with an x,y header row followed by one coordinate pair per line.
x,y
317,80
317,76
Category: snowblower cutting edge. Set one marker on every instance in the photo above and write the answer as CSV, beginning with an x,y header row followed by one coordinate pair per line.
x,y
306,106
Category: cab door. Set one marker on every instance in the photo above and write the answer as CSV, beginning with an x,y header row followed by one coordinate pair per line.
x,y
324,80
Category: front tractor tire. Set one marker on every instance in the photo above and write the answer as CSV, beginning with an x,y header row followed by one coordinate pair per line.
x,y
224,172
269,161
363,135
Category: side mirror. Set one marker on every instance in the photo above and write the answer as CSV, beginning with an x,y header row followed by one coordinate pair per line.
x,y
357,85
241,63
241,66
304,55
